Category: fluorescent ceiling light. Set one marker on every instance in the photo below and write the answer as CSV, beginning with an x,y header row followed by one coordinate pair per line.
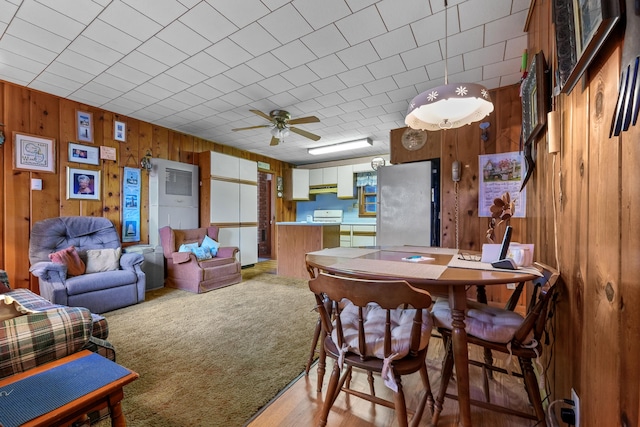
x,y
349,145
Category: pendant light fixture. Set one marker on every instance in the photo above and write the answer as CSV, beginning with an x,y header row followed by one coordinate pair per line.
x,y
450,105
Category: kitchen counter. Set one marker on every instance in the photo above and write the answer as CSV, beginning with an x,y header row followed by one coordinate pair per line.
x,y
295,239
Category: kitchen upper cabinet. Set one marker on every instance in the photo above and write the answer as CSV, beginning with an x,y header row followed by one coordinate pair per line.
x,y
296,185
362,167
346,183
323,176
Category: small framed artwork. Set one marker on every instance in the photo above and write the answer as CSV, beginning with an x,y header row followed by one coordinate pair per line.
x,y
34,153
83,154
534,99
120,131
84,126
83,184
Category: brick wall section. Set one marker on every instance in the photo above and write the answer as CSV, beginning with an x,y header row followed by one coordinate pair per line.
x,y
264,249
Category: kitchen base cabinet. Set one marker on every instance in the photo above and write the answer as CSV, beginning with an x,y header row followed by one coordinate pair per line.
x,y
296,239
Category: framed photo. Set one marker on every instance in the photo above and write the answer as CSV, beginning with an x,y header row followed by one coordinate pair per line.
x,y
33,153
582,27
83,184
83,154
119,131
534,99
84,126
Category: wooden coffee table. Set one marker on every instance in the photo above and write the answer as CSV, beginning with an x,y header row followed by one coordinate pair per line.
x,y
84,365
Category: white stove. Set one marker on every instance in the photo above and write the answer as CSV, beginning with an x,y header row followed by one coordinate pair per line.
x,y
328,216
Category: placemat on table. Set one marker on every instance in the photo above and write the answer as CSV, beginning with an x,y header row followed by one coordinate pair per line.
x,y
344,252
393,268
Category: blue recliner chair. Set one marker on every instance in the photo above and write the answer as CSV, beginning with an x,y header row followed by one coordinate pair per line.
x,y
102,291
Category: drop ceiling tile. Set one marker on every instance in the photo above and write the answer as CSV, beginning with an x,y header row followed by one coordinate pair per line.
x,y
188,98
85,97
184,38
423,55
8,11
110,36
96,51
146,116
160,110
241,13
331,99
223,83
397,13
154,91
161,11
84,14
294,25
520,5
143,98
406,93
169,83
35,35
355,77
229,53
276,84
208,22
50,20
300,75
118,84
503,68
356,5
294,54
81,62
411,77
396,107
236,98
305,92
267,65
394,42
436,70
129,104
255,39
243,74
204,90
375,100
328,85
355,92
59,81
372,112
189,3
127,73
511,79
207,64
431,28
366,123
325,41
203,110
69,72
125,18
381,85
45,87
283,100
479,12
349,107
121,107
143,63
515,47
172,104
322,13
102,90
362,25
255,92
327,66
186,74
24,48
162,51
506,28
466,41
484,56
387,67
359,55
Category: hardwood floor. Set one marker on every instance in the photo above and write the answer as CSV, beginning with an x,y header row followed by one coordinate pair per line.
x,y
300,403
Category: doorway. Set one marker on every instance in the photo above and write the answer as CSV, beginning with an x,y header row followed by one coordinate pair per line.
x,y
266,215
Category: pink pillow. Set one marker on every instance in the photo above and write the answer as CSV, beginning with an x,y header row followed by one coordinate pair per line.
x,y
70,258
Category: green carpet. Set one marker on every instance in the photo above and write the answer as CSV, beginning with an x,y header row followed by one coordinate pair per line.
x,y
212,359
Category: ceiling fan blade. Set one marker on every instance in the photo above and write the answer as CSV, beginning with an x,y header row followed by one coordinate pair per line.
x,y
310,119
305,133
274,141
261,114
252,127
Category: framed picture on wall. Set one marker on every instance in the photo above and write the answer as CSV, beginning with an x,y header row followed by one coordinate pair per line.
x,y
33,153
119,131
83,184
534,99
83,154
84,126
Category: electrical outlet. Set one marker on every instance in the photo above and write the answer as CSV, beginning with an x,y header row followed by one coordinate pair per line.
x,y
511,286
576,406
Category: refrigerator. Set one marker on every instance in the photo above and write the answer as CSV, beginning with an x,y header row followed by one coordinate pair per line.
x,y
407,204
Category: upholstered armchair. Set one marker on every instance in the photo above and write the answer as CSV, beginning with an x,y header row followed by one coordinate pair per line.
x,y
186,270
108,280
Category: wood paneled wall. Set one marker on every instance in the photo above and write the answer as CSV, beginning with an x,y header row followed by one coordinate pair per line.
x,y
594,185
32,112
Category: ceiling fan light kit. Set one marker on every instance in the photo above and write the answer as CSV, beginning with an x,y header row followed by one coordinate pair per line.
x,y
280,124
348,145
450,105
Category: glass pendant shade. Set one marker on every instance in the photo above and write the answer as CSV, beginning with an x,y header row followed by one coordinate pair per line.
x,y
279,132
449,106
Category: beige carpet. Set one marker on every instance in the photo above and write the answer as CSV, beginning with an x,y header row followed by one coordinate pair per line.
x,y
212,359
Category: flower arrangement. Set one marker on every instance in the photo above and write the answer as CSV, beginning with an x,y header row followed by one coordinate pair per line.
x,y
502,210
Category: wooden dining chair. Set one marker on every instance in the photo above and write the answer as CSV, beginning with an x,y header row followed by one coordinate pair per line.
x,y
380,327
503,331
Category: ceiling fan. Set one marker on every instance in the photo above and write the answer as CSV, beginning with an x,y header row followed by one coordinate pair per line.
x,y
280,125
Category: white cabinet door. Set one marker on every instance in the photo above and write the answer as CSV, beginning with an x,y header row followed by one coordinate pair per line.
x,y
330,175
248,245
345,182
297,187
225,200
224,165
248,203
315,177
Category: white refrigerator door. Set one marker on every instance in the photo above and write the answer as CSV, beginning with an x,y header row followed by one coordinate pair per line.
x,y
404,205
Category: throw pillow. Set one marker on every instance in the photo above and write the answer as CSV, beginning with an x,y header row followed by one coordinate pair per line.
x,y
188,247
70,258
210,244
202,253
103,260
10,308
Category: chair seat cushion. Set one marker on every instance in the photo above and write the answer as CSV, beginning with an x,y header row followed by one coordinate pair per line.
x,y
374,325
99,281
482,321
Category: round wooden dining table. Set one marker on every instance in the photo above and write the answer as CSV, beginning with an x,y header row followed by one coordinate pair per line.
x,y
444,272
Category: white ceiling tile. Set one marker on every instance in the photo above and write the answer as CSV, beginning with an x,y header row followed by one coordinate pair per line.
x,y
397,13
356,5
127,19
354,92
381,85
243,74
76,74
361,25
127,73
122,106
327,66
406,93
59,81
24,48
276,84
96,51
223,83
295,26
504,68
118,84
162,51
387,67
184,38
169,83
140,97
431,28
479,12
208,22
186,74
161,11
330,99
255,92
267,65
375,100
454,65
372,112
236,98
143,63
520,5
110,36
100,89
506,28
50,20
173,104
423,55
84,14
294,54
282,100
484,56
75,60
515,47
466,41
8,11
15,75
511,79
203,110
411,77
325,41
349,107
229,53
154,91
160,110
495,82
147,116
394,42
359,55
204,90
255,39
356,77
206,64
305,92
320,14
190,3
188,98
89,98
328,85
35,35
240,13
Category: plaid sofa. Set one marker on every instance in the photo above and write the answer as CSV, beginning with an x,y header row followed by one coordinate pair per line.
x,y
52,332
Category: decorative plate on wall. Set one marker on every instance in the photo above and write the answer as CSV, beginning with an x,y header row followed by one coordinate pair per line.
x,y
414,139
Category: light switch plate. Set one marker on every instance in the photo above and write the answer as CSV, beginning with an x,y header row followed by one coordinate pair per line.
x,y
36,184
